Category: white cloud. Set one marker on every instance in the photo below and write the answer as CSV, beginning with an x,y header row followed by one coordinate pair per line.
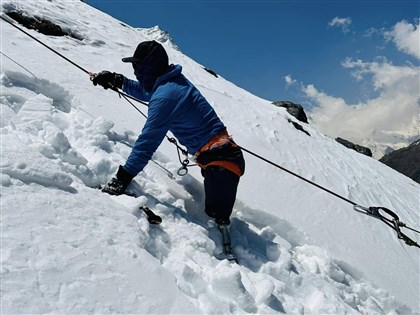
x,y
343,23
384,74
406,37
397,106
289,80
372,31
394,109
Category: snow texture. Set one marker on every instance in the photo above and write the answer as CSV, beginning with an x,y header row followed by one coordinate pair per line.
x,y
68,248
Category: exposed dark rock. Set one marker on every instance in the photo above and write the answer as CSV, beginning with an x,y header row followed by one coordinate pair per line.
x,y
211,72
356,147
405,160
41,25
293,109
298,127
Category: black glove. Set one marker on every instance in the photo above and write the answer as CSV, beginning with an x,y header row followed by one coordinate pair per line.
x,y
118,184
108,79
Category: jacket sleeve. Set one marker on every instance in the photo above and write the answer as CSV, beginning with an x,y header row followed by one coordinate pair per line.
x,y
134,88
160,115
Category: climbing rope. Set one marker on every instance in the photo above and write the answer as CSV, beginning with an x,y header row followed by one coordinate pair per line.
x,y
375,212
11,59
393,222
183,169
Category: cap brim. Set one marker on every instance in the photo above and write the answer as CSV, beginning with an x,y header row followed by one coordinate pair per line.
x,y
131,59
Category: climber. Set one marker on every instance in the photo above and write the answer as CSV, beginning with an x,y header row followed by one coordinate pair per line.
x,y
176,105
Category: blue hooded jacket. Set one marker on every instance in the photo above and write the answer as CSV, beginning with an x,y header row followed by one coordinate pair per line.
x,y
175,104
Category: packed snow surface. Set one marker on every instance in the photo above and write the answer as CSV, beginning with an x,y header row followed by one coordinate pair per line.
x,y
68,248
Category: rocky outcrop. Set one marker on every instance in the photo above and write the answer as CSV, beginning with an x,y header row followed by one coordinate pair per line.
x,y
211,72
293,109
298,127
405,160
41,25
356,147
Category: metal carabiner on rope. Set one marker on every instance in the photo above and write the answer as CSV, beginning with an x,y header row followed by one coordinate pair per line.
x,y
394,223
92,75
183,170
375,212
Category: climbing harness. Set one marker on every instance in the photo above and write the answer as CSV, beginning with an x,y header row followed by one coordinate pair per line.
x,y
392,221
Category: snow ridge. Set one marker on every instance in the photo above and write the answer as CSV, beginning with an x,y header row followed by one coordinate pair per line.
x,y
159,35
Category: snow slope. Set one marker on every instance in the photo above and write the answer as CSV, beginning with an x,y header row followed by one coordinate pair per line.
x,y
68,248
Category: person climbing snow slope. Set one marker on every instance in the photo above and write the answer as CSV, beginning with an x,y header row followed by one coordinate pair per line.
x,y
176,105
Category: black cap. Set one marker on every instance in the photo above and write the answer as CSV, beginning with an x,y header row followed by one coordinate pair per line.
x,y
142,51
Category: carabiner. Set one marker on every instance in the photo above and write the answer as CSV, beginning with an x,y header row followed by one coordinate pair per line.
x,y
182,171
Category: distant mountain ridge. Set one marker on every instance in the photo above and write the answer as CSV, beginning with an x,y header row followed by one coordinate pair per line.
x,y
159,35
405,160
384,142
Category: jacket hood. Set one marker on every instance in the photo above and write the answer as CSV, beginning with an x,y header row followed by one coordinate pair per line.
x,y
174,71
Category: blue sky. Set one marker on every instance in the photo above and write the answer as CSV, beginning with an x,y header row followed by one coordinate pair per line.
x,y
255,44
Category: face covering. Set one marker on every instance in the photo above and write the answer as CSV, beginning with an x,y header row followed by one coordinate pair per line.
x,y
150,68
146,76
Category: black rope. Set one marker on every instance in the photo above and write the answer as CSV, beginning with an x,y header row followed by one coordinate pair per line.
x,y
45,45
395,223
298,176
134,106
65,58
36,79
126,97
185,163
407,227
120,93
